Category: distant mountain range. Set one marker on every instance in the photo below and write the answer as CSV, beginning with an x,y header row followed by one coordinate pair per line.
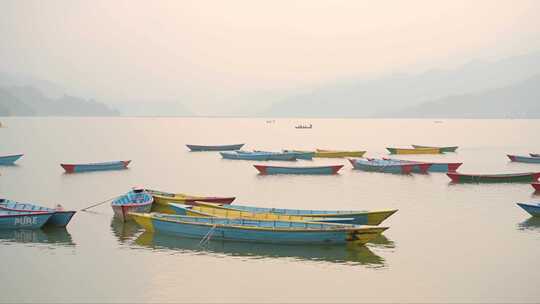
x,y
384,96
30,101
520,100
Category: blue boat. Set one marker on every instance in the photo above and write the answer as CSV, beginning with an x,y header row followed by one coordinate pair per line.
x,y
263,231
60,217
23,220
534,154
524,159
113,165
388,166
245,155
286,156
533,210
435,167
9,159
137,200
319,170
307,155
199,148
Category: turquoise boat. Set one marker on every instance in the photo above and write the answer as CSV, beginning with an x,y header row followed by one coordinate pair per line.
x,y
137,200
245,156
285,156
199,148
23,220
533,210
104,166
60,217
9,159
262,231
388,166
319,170
306,155
524,159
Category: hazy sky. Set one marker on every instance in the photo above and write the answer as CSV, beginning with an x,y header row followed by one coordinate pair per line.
x,y
204,50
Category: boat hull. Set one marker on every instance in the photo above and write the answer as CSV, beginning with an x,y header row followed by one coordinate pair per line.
x,y
59,218
9,159
200,148
389,166
495,178
135,201
524,159
277,232
123,212
338,154
414,151
30,220
373,218
536,186
435,167
322,170
533,210
245,156
443,149
302,155
77,168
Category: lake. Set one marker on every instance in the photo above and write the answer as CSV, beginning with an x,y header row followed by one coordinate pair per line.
x,y
447,243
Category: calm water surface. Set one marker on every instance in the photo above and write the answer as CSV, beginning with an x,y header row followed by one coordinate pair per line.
x,y
447,243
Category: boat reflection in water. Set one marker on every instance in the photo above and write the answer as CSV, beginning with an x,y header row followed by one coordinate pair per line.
x,y
50,237
125,232
348,255
531,224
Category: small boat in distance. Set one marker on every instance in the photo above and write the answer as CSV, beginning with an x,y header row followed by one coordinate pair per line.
x,y
245,156
414,150
534,155
533,210
260,231
338,153
199,148
388,166
494,178
23,220
59,218
265,170
9,159
137,200
435,167
113,165
524,159
310,126
443,149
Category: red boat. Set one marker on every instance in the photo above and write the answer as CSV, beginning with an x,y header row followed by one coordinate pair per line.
x,y
536,186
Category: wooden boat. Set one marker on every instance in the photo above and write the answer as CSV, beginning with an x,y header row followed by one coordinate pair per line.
x,y
338,153
435,167
388,166
536,186
113,165
23,220
359,217
494,178
263,231
285,156
443,149
59,218
211,210
264,170
137,200
199,148
245,156
524,159
9,159
534,155
532,209
307,155
163,199
414,151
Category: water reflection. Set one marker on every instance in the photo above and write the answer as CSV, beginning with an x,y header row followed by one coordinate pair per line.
x,y
52,237
532,223
124,231
353,255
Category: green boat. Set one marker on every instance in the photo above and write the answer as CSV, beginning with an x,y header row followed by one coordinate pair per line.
x,y
494,178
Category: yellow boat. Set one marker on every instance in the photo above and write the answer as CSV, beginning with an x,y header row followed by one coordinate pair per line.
x,y
162,200
414,150
373,218
333,153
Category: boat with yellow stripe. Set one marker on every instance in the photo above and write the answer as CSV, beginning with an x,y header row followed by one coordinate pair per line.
x,y
414,150
250,230
342,216
332,153
162,200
